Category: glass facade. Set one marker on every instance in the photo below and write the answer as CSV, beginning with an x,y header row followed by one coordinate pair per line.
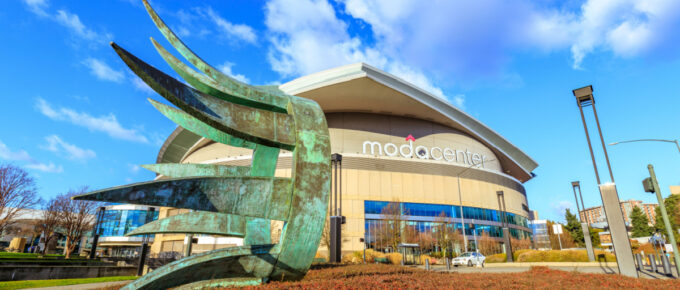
x,y
422,218
116,223
451,211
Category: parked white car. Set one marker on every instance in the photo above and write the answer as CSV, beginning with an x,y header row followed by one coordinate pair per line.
x,y
469,258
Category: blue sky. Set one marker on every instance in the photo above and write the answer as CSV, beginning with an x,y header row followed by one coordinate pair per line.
x,y
73,114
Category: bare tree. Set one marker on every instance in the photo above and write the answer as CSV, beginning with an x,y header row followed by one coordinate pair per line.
x,y
49,220
520,244
76,217
17,192
488,245
391,225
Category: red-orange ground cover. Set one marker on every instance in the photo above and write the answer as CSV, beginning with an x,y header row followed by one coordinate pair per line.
x,y
374,276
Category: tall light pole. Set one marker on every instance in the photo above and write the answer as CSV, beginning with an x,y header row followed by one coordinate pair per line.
x,y
336,219
610,198
584,225
460,200
649,140
504,223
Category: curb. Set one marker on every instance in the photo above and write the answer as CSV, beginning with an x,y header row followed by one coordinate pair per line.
x,y
552,264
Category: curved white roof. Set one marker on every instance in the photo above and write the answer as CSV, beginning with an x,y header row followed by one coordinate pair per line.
x,y
363,88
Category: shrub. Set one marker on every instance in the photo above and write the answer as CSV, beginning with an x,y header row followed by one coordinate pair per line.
x,y
561,256
516,254
497,258
395,258
646,247
371,255
433,261
350,259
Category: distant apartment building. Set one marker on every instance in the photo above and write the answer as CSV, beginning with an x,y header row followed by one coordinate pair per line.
x,y
675,189
596,214
541,238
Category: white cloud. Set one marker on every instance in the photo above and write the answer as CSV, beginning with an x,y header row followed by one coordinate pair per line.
x,y
134,168
57,145
22,155
226,69
238,31
46,167
459,101
107,124
561,206
68,20
37,6
7,154
478,37
103,71
307,37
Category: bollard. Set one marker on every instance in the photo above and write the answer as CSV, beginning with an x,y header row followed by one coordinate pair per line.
x,y
652,262
666,266
448,264
427,264
638,260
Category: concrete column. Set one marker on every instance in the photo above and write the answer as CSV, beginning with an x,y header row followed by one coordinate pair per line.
x,y
589,243
617,228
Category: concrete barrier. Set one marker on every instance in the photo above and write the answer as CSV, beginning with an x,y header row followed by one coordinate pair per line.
x,y
13,273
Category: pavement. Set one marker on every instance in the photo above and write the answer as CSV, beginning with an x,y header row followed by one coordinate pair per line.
x,y
87,286
593,268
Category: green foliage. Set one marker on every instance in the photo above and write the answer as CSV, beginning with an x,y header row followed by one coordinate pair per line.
x,y
562,256
574,228
550,256
595,236
497,258
640,223
673,209
60,282
27,256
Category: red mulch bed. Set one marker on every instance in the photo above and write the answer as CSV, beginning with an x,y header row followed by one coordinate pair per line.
x,y
374,276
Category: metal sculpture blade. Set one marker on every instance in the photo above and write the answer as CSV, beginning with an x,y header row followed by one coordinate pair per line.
x,y
236,89
233,200
198,222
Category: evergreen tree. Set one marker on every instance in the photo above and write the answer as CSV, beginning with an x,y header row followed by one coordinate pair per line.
x,y
640,223
673,209
574,228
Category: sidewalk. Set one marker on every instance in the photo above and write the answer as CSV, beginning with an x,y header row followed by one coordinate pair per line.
x,y
86,286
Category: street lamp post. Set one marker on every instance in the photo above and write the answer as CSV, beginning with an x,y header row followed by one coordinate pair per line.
x,y
504,224
460,199
649,140
96,232
336,219
610,197
584,225
651,185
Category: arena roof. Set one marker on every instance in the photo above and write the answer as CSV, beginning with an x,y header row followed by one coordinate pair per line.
x,y
363,88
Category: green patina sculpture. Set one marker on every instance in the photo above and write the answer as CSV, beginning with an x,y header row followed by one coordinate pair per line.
x,y
235,201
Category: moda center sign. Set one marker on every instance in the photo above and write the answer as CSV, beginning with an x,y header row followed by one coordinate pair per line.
x,y
422,152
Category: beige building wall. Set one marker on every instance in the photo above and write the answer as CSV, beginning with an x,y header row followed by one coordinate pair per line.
x,y
384,178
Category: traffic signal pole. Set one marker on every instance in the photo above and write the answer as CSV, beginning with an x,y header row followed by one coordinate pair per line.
x,y
651,185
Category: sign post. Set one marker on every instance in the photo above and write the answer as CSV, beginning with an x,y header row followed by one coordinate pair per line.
x,y
557,229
